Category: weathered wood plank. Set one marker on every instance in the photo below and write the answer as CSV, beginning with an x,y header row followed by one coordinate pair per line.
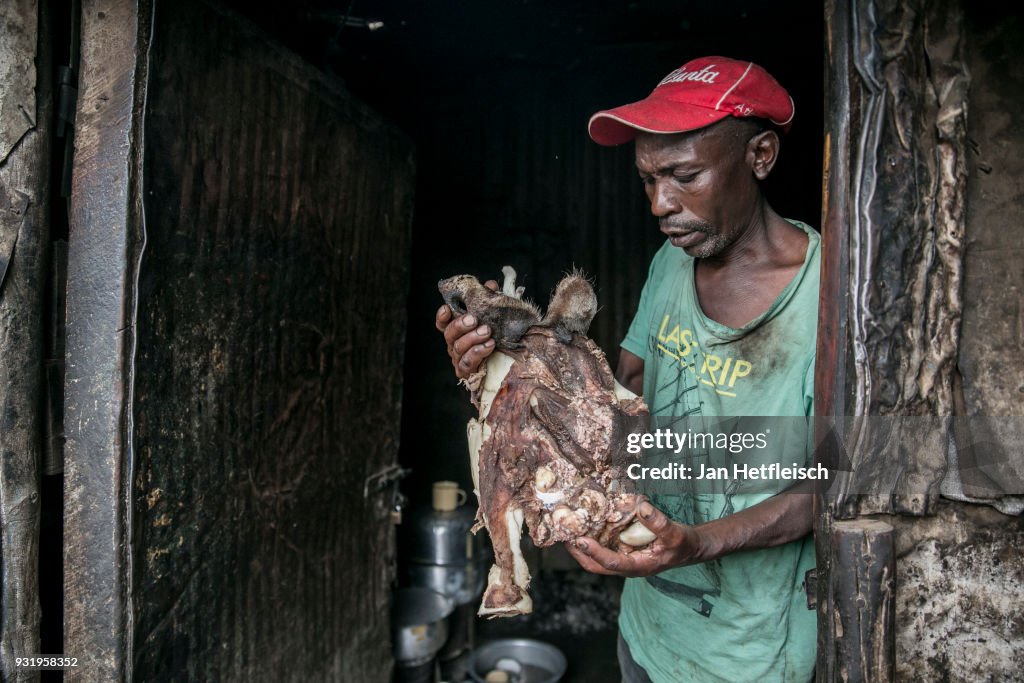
x,y
830,387
18,42
900,246
862,590
25,112
104,243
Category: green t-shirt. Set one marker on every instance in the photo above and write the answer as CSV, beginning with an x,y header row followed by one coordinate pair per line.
x,y
744,616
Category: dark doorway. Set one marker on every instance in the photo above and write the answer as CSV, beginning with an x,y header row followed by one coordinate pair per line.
x,y
496,96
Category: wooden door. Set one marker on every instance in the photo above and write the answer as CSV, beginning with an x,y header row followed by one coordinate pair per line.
x,y
237,276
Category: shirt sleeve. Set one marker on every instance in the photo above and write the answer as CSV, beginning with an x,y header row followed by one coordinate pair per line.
x,y
809,389
637,339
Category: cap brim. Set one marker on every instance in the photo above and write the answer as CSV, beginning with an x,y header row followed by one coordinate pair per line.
x,y
620,125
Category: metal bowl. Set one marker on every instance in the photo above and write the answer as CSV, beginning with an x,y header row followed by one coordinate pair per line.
x,y
418,623
526,660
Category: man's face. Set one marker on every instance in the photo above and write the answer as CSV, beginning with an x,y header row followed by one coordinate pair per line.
x,y
700,185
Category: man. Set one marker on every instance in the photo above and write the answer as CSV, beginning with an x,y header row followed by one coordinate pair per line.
x,y
725,327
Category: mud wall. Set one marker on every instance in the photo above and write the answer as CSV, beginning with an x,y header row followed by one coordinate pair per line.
x,y
960,573
960,578
923,244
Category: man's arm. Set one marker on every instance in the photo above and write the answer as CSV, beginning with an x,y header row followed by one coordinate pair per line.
x,y
782,518
630,372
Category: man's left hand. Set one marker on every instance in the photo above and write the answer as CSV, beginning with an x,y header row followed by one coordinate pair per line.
x,y
675,545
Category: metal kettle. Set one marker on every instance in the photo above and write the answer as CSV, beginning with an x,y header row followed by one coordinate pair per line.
x,y
443,554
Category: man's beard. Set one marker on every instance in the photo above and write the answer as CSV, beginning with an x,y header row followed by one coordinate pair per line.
x,y
714,241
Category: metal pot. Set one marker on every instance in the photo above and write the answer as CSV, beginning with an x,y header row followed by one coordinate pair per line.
x,y
438,537
419,625
525,661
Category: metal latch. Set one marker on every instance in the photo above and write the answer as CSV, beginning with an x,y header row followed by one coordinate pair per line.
x,y
811,587
381,481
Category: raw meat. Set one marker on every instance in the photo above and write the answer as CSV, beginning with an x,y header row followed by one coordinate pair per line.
x,y
548,445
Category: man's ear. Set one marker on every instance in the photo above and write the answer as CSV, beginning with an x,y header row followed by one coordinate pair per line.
x,y
762,153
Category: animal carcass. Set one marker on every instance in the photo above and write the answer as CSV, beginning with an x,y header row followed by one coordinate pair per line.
x,y
548,445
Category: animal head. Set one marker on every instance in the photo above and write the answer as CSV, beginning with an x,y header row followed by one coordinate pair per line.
x,y
458,291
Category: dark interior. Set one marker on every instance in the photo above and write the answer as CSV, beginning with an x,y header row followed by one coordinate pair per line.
x,y
496,96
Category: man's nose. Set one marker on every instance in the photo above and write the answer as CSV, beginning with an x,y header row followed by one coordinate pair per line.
x,y
664,201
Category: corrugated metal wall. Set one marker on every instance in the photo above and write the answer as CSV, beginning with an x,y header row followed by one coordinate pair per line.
x,y
268,387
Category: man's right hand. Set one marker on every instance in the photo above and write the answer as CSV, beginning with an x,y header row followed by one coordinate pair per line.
x,y
468,342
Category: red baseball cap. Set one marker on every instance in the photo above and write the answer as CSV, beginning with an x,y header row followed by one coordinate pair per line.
x,y
695,95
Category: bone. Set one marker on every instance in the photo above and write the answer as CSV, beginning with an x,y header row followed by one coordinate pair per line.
x,y
508,287
637,535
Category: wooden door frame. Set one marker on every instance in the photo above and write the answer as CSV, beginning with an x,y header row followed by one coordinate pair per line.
x,y
105,244
894,188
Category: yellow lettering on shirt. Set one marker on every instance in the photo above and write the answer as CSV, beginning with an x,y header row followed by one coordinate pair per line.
x,y
711,365
718,372
677,342
687,338
742,369
725,370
